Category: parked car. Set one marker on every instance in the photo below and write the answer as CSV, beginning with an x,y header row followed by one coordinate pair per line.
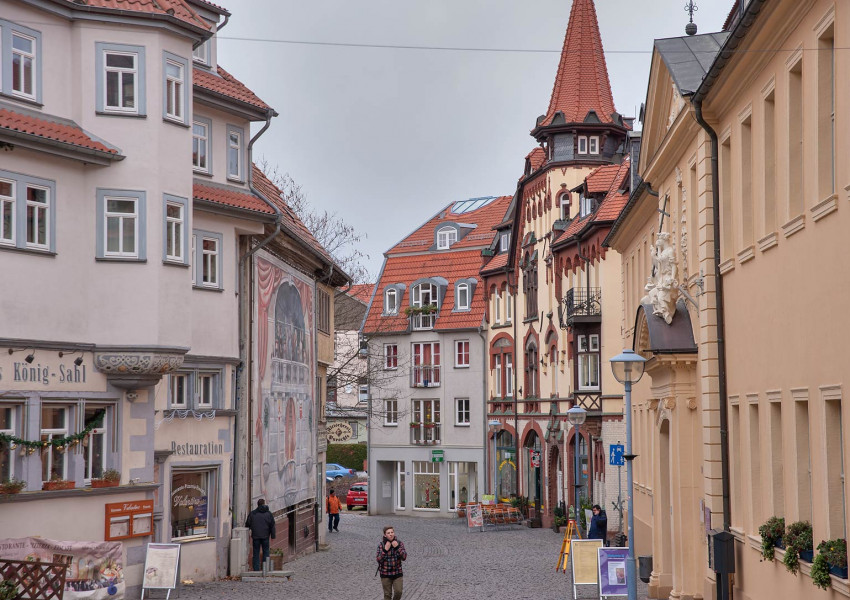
x,y
358,495
336,471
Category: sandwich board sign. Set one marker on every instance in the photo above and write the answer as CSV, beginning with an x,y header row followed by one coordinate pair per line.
x,y
584,555
612,572
162,563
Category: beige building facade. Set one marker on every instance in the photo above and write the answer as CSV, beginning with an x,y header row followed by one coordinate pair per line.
x,y
739,416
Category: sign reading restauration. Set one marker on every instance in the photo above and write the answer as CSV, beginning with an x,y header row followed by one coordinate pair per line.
x,y
197,449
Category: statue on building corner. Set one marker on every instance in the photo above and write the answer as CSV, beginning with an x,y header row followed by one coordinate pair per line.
x,y
662,287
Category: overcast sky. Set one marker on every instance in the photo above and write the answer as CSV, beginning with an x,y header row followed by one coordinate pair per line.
x,y
386,137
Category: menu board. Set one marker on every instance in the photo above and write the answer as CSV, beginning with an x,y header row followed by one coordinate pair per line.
x,y
161,566
474,516
585,561
128,519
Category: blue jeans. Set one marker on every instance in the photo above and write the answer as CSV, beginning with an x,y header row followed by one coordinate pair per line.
x,y
333,521
259,543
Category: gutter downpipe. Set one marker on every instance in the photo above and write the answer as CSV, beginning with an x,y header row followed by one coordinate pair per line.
x,y
247,349
721,325
484,356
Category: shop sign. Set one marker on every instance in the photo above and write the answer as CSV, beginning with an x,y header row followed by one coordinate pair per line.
x,y
340,432
129,519
535,458
45,373
94,570
436,456
197,449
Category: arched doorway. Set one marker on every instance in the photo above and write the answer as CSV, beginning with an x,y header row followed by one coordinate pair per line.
x,y
555,496
532,459
506,466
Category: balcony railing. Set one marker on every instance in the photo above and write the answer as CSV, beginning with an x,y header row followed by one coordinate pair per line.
x,y
423,321
424,435
425,376
582,304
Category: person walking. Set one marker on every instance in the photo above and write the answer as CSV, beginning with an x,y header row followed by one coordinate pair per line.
x,y
390,555
333,506
598,525
261,523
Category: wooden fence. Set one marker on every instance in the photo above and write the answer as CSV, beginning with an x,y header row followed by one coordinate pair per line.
x,y
35,580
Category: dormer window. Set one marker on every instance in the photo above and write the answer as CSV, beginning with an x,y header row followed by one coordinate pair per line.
x,y
505,242
391,301
423,296
582,144
585,205
593,144
564,202
462,296
201,54
446,237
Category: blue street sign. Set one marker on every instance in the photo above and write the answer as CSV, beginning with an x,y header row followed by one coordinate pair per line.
x,y
616,455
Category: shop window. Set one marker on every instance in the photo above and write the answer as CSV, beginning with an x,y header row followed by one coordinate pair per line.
x,y
192,503
7,427
426,483
94,451
462,483
54,424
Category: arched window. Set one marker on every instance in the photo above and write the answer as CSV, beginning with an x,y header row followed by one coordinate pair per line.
x,y
462,296
564,203
446,237
531,381
391,301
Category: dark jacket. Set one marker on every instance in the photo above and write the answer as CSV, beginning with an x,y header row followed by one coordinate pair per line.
x,y
598,527
261,523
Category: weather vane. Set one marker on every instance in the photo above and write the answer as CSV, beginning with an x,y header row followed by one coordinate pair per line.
x,y
691,8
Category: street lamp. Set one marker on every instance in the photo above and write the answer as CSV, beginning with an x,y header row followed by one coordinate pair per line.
x,y
628,369
576,416
495,426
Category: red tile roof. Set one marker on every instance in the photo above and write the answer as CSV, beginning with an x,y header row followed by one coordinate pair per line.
x,y
231,197
581,84
536,158
497,262
65,133
291,222
226,84
485,218
611,207
407,269
177,9
362,292
214,7
606,178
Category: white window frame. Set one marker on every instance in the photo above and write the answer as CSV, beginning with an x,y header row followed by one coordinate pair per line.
x,y
388,355
588,354
401,486
194,259
430,290
433,368
41,210
176,227
174,92
462,296
390,412
462,412
235,148
205,393
177,400
8,203
87,464
47,451
564,205
210,263
446,236
32,56
497,368
505,242
509,308
11,430
391,307
497,308
121,71
201,54
586,205
509,376
593,144
459,353
582,144
421,467
121,216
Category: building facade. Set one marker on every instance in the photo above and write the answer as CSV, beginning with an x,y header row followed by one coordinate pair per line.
x,y
426,343
733,424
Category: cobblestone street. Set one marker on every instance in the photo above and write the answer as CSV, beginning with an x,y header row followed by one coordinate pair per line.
x,y
445,561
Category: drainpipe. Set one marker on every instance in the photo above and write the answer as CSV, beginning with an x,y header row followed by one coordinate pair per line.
x,y
484,370
721,328
242,329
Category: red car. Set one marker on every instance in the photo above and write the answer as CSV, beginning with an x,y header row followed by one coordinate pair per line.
x,y
358,495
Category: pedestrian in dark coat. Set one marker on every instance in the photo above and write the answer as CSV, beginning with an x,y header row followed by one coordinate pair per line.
x,y
598,524
390,555
261,523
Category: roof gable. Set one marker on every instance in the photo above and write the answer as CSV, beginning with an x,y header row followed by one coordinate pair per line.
x,y
169,10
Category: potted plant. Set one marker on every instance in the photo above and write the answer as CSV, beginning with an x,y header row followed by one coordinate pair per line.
x,y
57,483
415,424
276,554
12,486
430,425
109,478
798,545
8,589
771,536
820,572
834,552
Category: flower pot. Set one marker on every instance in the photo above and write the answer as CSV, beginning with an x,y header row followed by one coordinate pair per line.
x,y
807,555
277,562
105,483
58,485
840,572
778,544
5,490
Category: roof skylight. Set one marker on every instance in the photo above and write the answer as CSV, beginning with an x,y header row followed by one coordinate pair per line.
x,y
466,206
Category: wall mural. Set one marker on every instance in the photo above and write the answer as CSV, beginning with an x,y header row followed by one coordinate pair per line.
x,y
283,469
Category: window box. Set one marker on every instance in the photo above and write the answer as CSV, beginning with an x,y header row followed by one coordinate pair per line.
x,y
840,572
105,483
14,486
58,484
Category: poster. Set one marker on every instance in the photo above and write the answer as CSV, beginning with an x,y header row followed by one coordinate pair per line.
x,y
161,564
94,568
612,571
585,561
284,426
474,517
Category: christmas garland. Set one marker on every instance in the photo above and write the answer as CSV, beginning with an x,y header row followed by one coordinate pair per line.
x,y
94,422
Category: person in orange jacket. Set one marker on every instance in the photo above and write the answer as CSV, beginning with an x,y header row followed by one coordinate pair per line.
x,y
333,507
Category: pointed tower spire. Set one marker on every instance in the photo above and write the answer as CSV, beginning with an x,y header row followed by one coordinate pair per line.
x,y
581,84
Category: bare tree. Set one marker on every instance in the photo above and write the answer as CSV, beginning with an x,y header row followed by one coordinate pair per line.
x,y
341,240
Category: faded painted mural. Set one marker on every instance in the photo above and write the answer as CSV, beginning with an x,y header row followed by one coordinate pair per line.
x,y
283,469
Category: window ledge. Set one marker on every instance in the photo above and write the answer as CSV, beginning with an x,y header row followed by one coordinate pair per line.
x,y
501,325
390,424
120,259
22,100
461,366
771,240
727,265
746,254
78,492
794,225
172,121
235,179
50,253
530,319
174,263
824,207
207,289
104,113
201,172
463,425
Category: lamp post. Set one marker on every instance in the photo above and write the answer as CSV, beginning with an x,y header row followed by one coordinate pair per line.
x,y
495,427
628,369
576,416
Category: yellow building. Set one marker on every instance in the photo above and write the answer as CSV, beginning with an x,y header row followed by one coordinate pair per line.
x,y
733,290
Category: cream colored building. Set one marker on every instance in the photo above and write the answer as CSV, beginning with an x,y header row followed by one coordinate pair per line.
x,y
739,416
